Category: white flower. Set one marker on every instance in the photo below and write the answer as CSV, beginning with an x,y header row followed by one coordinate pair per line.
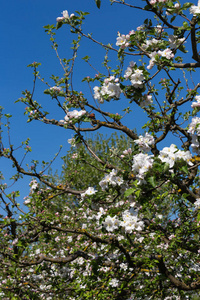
x,y
141,164
129,71
59,19
195,143
33,185
65,14
114,282
111,179
176,6
137,78
195,10
122,40
72,142
166,53
74,114
15,241
194,126
185,155
146,100
128,151
123,266
111,223
131,222
90,191
152,59
110,89
27,201
168,155
57,239
196,104
197,203
55,88
151,43
175,42
37,251
145,142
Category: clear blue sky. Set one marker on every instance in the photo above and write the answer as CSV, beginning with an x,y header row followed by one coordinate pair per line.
x,y
23,41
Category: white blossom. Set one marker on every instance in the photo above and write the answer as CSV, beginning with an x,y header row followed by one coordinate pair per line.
x,y
123,40
110,89
146,100
168,155
195,10
137,78
141,164
74,114
194,126
171,11
144,142
175,42
33,185
114,282
197,203
130,70
197,103
90,191
166,53
111,179
55,89
111,223
195,144
171,155
131,222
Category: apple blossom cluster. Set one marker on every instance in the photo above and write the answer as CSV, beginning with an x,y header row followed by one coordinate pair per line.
x,y
114,282
141,165
167,53
110,89
195,10
55,89
194,130
197,103
152,2
171,11
123,40
151,43
33,185
126,152
197,203
175,42
111,179
145,142
135,75
111,223
146,100
75,114
130,222
88,192
72,142
65,16
171,155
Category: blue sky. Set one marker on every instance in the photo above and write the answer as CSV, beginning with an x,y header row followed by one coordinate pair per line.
x,y
23,41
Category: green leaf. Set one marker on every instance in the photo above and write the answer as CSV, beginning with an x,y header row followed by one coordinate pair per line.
x,y
98,3
59,25
47,92
198,217
151,180
184,169
129,192
166,167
